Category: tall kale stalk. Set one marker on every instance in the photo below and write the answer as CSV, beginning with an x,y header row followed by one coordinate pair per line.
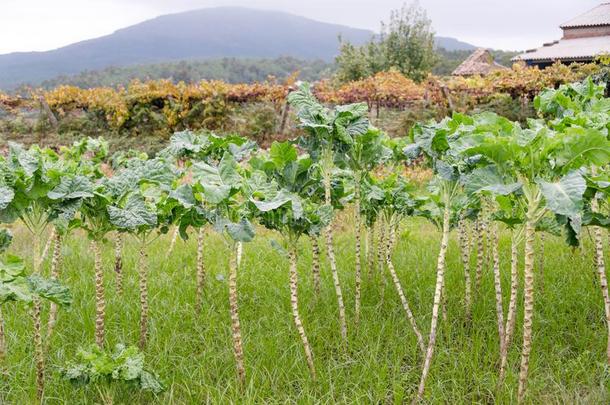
x,y
447,193
464,244
315,263
238,348
200,270
278,190
55,272
118,261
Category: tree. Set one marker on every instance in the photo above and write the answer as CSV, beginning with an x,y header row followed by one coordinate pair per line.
x,y
365,152
406,43
584,105
433,141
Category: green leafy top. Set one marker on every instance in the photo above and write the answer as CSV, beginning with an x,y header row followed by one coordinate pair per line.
x,y
85,157
26,177
139,196
206,146
327,129
277,188
218,189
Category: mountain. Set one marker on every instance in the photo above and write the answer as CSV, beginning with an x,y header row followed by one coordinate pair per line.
x,y
205,34
199,34
452,44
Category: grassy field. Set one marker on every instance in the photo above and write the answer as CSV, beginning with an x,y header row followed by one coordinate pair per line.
x,y
193,354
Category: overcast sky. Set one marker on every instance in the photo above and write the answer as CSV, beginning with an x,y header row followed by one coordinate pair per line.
x,y
28,25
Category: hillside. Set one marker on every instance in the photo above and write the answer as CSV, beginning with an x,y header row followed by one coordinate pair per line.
x,y
452,44
230,70
200,34
191,36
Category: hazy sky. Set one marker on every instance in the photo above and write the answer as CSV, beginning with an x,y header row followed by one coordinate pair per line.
x,y
27,25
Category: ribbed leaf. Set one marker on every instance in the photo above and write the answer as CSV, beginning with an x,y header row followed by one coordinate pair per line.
x,y
72,188
135,214
50,289
6,196
565,197
488,179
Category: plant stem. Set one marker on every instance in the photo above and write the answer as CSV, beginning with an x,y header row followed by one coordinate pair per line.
x,y
143,273
200,271
381,245
329,246
238,349
480,232
315,263
118,262
541,262
240,253
493,232
38,344
2,342
465,256
600,264
358,221
47,245
294,303
55,268
440,281
401,295
370,242
488,245
100,304
172,244
528,306
512,305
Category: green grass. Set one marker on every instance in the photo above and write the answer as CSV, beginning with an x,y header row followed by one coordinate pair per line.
x,y
193,354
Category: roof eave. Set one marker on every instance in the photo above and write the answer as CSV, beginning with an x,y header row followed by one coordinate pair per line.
x,y
583,26
560,59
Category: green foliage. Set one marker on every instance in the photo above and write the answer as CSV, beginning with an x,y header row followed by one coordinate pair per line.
x,y
231,70
406,43
27,175
5,240
327,129
134,215
16,285
278,188
565,196
71,188
124,364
